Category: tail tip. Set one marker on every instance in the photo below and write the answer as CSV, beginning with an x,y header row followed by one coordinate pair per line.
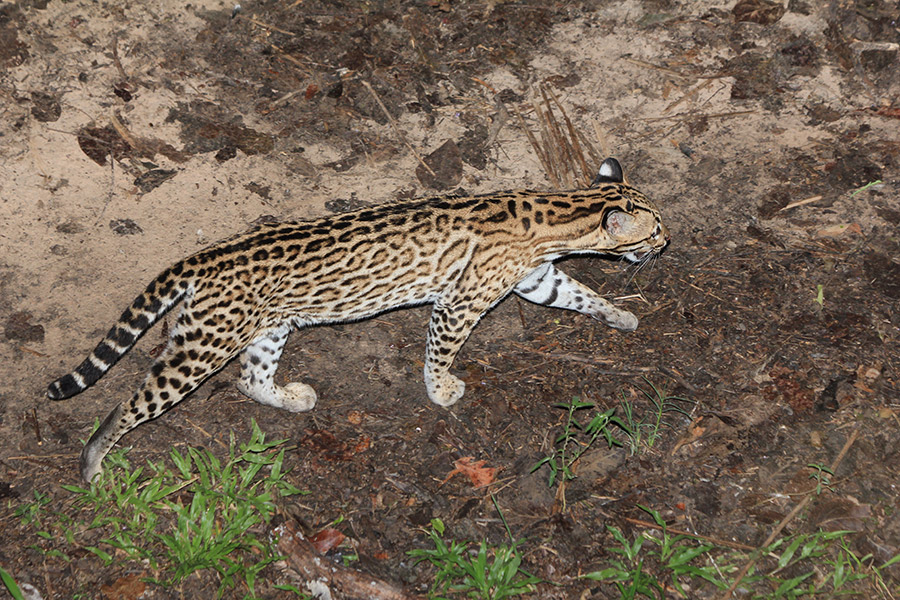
x,y
54,392
63,388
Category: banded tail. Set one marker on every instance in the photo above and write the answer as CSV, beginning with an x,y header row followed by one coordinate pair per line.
x,y
156,300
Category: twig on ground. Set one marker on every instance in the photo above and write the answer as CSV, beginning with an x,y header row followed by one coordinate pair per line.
x,y
577,154
30,351
118,63
706,538
809,200
691,93
790,517
685,116
396,128
269,27
124,134
340,581
537,149
593,362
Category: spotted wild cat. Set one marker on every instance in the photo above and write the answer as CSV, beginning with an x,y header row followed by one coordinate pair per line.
x,y
462,253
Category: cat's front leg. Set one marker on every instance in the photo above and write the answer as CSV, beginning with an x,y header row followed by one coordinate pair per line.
x,y
549,286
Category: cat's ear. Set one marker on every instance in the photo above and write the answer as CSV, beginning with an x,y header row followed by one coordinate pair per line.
x,y
610,172
617,223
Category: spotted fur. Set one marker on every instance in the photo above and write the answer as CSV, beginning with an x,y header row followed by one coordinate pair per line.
x,y
464,254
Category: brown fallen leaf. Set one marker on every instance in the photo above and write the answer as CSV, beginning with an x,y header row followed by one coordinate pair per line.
x,y
694,432
129,587
327,539
839,230
834,514
475,470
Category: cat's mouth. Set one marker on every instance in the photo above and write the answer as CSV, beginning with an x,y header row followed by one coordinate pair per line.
x,y
643,255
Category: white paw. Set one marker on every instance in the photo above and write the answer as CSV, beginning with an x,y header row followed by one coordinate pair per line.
x,y
446,390
299,397
619,319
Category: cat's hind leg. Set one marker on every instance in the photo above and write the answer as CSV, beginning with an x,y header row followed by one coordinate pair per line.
x,y
181,368
258,364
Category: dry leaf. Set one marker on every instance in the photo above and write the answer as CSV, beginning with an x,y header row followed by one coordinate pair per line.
x,y
695,432
834,514
129,587
475,470
326,539
839,230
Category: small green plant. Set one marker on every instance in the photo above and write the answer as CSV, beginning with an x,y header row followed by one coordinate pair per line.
x,y
10,584
674,555
199,515
822,476
643,433
576,439
29,513
820,565
462,571
865,187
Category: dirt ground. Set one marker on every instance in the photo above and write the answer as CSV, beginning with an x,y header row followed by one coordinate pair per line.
x,y
132,134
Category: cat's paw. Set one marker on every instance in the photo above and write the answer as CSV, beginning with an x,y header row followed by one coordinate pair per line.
x,y
445,390
618,319
298,397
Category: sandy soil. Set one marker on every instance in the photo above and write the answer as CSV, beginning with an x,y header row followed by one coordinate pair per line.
x,y
131,136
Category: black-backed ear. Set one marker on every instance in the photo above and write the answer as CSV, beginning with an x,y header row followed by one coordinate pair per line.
x,y
610,172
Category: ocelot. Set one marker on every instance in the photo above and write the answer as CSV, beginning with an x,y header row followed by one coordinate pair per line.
x,y
462,253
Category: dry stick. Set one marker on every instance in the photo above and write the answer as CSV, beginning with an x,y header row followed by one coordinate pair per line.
x,y
548,145
283,54
567,153
551,142
685,116
123,133
116,61
269,27
689,94
705,538
535,144
649,65
30,351
573,136
396,128
596,157
36,426
340,581
498,123
809,200
38,457
553,145
595,363
789,517
560,144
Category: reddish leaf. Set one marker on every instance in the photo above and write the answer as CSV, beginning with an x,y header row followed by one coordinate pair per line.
x,y
475,470
326,539
129,587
